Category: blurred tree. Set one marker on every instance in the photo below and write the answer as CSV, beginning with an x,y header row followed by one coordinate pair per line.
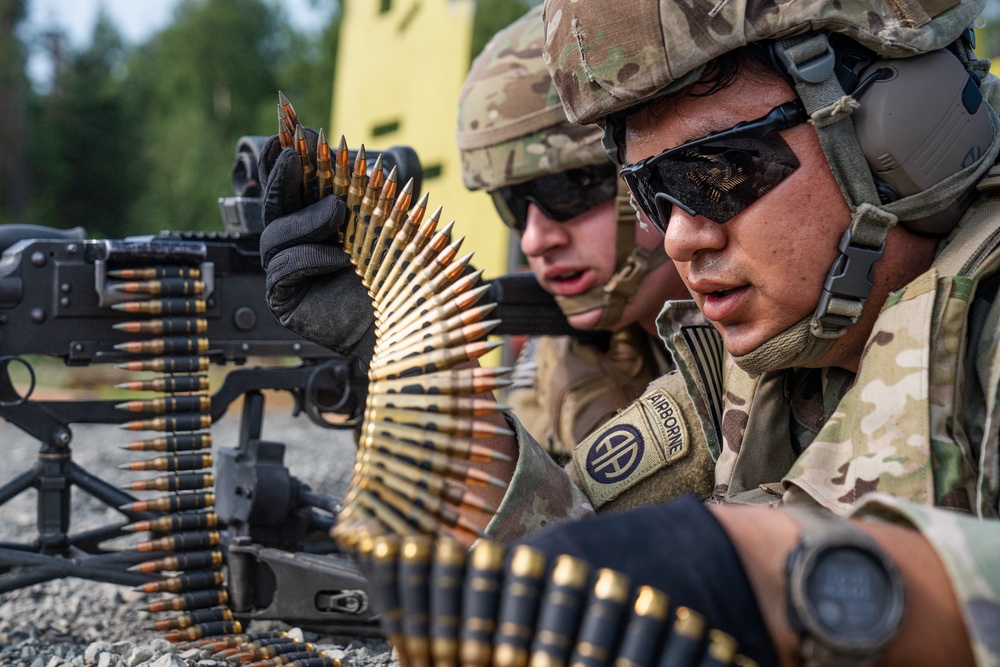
x,y
200,84
13,113
84,136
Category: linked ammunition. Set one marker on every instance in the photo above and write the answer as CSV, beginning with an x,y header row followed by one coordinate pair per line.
x,y
385,597
382,207
419,506
422,237
204,630
289,110
468,314
285,130
356,190
454,405
642,632
288,658
174,462
168,384
181,541
453,381
447,574
167,306
683,643
164,325
480,601
602,620
271,650
460,286
342,169
560,611
308,170
385,502
394,228
420,283
469,333
721,651
324,167
435,245
357,221
398,242
371,251
440,422
440,463
184,403
181,422
155,273
522,587
184,481
177,502
194,600
316,662
414,570
162,287
184,582
235,640
165,345
437,360
186,364
192,560
398,472
384,433
191,618
175,522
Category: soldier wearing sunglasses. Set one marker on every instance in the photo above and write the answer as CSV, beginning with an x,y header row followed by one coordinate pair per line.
x,y
553,184
825,176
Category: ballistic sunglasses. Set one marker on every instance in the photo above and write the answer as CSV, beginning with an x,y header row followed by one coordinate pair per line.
x,y
560,197
719,175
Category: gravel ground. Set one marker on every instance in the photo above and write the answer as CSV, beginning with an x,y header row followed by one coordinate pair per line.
x,y
81,622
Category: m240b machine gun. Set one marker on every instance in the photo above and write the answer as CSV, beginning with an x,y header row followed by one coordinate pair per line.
x,y
176,303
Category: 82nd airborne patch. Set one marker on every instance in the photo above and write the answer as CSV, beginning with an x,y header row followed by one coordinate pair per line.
x,y
648,435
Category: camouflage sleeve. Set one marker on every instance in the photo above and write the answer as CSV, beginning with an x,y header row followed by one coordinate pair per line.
x,y
539,494
969,548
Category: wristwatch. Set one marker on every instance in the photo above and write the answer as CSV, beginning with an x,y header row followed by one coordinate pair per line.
x,y
845,596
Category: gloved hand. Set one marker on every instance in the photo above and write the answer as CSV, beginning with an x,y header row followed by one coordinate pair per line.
x,y
680,548
311,286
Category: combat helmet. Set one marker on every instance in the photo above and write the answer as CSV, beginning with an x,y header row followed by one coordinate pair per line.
x,y
512,129
608,59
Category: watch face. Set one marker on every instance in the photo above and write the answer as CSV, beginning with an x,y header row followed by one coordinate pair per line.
x,y
851,595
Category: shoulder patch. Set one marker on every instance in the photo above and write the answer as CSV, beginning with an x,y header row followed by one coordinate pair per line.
x,y
648,435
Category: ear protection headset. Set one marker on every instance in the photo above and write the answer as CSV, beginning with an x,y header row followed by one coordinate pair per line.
x,y
920,120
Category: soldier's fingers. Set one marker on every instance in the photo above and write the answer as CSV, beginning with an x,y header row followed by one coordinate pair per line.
x,y
315,224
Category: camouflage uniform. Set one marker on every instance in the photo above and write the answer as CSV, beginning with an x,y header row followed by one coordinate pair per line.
x,y
513,129
912,438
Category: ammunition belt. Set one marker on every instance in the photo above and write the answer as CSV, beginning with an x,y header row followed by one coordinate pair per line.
x,y
442,606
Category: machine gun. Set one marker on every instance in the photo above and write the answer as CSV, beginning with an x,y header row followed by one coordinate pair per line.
x,y
60,296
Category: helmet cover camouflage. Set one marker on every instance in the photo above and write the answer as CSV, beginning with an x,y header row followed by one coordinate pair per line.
x,y
608,56
511,125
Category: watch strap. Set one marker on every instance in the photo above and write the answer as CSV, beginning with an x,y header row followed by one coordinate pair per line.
x,y
821,528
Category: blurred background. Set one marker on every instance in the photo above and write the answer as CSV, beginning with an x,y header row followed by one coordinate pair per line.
x,y
122,115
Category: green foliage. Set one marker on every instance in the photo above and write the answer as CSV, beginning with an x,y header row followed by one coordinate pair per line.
x,y
83,140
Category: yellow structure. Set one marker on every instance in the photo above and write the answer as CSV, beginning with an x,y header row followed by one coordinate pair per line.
x,y
400,68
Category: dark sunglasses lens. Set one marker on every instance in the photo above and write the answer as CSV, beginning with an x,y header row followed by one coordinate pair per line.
x,y
513,208
644,196
566,195
716,180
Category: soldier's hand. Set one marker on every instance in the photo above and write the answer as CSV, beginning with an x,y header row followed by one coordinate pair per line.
x,y
311,286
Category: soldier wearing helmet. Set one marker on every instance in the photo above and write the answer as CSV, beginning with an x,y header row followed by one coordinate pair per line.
x,y
553,184
825,177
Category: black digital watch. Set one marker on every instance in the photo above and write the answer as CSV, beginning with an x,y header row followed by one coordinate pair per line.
x,y
845,596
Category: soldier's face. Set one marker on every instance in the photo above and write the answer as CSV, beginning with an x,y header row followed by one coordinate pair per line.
x,y
569,258
763,270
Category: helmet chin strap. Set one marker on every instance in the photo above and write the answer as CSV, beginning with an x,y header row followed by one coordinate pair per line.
x,y
632,264
796,346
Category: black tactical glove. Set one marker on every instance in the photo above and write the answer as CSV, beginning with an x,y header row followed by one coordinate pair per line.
x,y
311,286
679,548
